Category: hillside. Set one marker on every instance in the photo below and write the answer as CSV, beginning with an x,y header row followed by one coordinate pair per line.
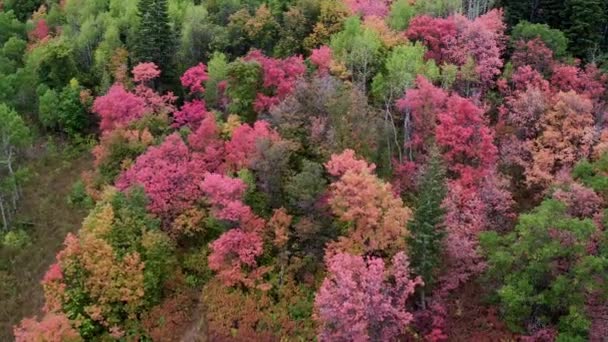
x,y
303,170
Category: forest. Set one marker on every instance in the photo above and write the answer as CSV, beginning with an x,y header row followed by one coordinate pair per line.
x,y
304,170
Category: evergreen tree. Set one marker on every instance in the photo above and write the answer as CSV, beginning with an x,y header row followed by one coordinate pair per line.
x,y
425,228
585,24
156,41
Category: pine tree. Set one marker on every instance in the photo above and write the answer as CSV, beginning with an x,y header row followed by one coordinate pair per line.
x,y
425,228
584,25
156,41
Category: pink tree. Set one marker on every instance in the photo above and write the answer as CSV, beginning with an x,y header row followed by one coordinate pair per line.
x,y
362,300
241,149
118,108
533,53
145,72
191,114
234,255
467,142
421,106
39,32
279,76
52,327
368,8
339,164
457,39
194,78
322,59
170,176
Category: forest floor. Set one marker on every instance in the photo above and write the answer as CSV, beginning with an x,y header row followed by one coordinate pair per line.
x,y
47,218
470,319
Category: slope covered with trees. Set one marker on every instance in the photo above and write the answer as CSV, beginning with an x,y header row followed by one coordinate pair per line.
x,y
331,170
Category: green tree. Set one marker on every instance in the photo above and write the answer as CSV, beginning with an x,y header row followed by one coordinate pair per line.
x,y
244,81
401,13
23,8
64,111
426,230
155,39
554,39
544,269
14,136
585,23
217,70
10,27
401,67
359,48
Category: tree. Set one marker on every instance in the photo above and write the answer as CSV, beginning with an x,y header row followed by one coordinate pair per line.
x,y
375,218
52,327
426,227
64,111
279,78
357,303
170,176
567,134
244,80
14,136
402,11
359,49
118,108
367,8
584,26
421,105
403,65
467,143
545,269
111,271
554,39
156,41
233,256
10,26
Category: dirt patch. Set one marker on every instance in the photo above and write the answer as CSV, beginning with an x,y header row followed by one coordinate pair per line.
x,y
47,217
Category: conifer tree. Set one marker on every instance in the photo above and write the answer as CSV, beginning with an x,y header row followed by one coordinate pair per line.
x,y
425,228
585,19
155,38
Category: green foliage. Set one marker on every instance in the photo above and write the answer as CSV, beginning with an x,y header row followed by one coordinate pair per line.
x,y
544,269
198,34
55,64
586,21
359,48
554,39
64,111
403,64
426,229
22,8
10,26
304,188
402,11
79,197
16,239
244,81
155,40
593,175
217,70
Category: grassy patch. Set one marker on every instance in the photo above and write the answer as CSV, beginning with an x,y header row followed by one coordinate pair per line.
x,y
46,217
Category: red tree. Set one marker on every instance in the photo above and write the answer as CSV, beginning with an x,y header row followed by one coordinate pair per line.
x,y
358,302
279,75
241,149
467,142
322,59
170,176
194,77
118,108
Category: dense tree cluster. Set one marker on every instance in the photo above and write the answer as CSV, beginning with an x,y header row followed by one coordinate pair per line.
x,y
338,170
